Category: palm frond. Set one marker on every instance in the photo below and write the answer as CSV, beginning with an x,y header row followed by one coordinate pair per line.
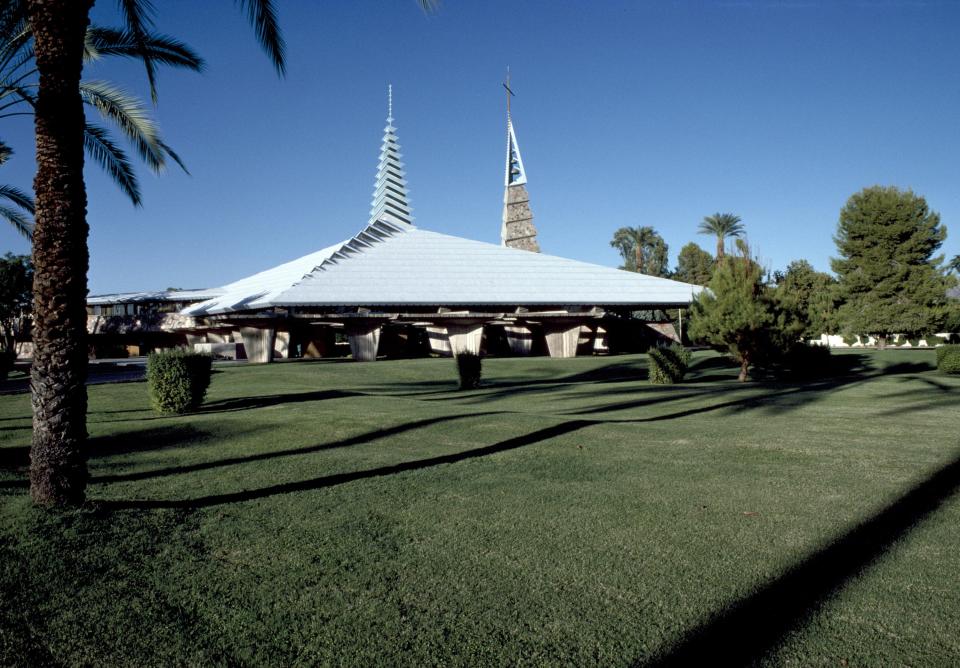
x,y
5,152
138,15
263,17
20,222
13,20
429,6
161,49
96,141
173,156
130,116
16,48
19,197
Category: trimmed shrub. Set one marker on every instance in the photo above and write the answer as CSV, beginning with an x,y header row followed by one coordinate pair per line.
x,y
178,380
468,366
948,359
850,339
668,365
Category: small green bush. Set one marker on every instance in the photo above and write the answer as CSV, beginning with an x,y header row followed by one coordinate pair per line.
x,y
668,365
178,380
850,339
468,366
948,359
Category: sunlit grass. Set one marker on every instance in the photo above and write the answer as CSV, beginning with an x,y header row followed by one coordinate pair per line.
x,y
566,511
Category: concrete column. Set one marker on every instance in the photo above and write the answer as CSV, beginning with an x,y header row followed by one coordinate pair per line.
x,y
439,342
195,338
281,345
562,338
585,340
465,338
258,343
601,343
519,339
364,339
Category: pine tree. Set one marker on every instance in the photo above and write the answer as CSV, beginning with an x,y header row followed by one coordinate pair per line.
x,y
809,298
889,279
736,313
694,265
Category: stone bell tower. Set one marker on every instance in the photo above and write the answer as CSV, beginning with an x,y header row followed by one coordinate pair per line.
x,y
517,230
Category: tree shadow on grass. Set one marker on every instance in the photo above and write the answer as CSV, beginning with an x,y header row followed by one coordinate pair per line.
x,y
749,629
276,454
17,459
616,372
342,478
237,404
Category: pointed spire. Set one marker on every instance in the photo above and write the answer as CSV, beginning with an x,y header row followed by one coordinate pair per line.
x,y
517,230
390,199
515,176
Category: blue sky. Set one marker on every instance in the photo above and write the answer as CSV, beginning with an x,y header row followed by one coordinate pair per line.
x,y
627,113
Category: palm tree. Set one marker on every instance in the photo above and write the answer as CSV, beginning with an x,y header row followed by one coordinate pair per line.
x,y
16,215
58,469
721,225
17,83
643,250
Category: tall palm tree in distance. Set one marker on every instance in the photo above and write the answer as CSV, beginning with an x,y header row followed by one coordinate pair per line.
x,y
721,225
643,250
58,469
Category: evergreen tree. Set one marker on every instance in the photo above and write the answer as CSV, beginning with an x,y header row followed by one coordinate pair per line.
x,y
694,265
808,299
889,279
736,313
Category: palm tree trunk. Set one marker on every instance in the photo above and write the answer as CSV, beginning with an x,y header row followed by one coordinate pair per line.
x,y
58,469
719,246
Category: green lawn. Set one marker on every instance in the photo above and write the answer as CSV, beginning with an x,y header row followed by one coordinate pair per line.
x,y
567,512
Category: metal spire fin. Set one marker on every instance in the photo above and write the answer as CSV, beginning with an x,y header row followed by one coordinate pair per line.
x,y
390,199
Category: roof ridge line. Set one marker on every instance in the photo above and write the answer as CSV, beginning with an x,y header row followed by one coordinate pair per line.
x,y
374,233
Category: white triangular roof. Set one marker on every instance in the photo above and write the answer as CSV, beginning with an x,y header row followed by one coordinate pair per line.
x,y
258,291
399,265
396,265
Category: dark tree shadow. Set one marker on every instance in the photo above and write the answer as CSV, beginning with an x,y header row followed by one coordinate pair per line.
x,y
277,454
749,629
341,478
237,404
17,459
616,372
264,401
